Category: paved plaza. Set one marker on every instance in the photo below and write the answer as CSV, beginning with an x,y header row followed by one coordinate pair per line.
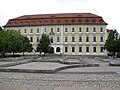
x,y
104,77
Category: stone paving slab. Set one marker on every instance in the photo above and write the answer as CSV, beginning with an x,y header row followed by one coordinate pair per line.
x,y
2,63
38,66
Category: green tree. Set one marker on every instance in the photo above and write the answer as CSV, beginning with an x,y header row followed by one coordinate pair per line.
x,y
118,46
4,42
16,41
111,42
0,28
44,45
27,47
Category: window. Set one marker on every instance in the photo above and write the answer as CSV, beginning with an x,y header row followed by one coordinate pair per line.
x,y
51,21
66,30
66,49
80,49
101,39
66,21
73,21
94,21
58,49
38,30
87,39
31,31
66,39
73,30
80,39
80,21
87,21
80,30
58,29
101,20
51,39
26,22
101,29
73,49
73,39
58,21
87,49
38,22
25,30
45,29
19,22
45,21
58,39
94,49
87,30
94,39
94,29
51,29
33,22
37,39
31,39
101,49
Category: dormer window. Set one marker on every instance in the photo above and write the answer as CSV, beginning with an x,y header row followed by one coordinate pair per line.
x,y
87,21
38,22
15,22
80,21
9,23
93,21
26,22
20,22
58,21
101,21
66,21
45,21
73,21
52,21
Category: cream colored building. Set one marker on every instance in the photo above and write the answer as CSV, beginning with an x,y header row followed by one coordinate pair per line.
x,y
70,33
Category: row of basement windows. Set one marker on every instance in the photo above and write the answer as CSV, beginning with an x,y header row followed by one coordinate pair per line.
x,y
73,39
87,49
66,30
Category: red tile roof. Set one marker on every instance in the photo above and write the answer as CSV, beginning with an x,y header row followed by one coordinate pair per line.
x,y
56,19
64,15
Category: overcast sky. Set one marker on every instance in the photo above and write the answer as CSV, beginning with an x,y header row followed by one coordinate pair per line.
x,y
108,9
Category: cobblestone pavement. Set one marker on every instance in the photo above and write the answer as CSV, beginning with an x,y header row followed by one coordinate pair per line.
x,y
104,77
59,81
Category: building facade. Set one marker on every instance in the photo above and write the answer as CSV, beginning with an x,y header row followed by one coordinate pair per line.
x,y
70,33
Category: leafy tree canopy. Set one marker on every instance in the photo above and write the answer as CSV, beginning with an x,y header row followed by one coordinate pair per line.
x,y
111,44
44,45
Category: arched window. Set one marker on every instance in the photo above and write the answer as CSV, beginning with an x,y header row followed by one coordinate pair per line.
x,y
51,50
58,49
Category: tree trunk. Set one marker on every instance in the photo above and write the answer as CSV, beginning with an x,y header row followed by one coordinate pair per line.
x,y
2,54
